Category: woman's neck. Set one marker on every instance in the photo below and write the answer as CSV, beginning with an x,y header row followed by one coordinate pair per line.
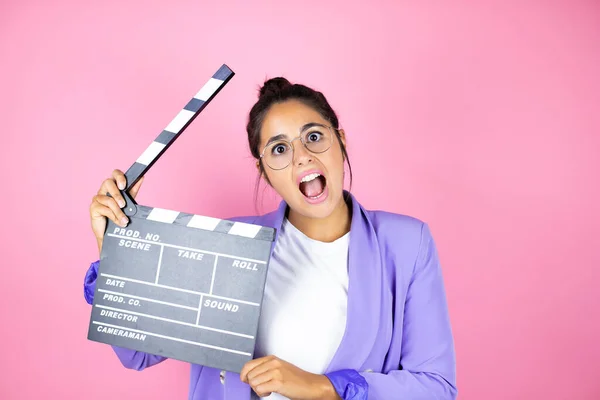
x,y
328,229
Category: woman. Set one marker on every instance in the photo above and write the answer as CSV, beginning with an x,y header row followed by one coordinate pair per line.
x,y
354,304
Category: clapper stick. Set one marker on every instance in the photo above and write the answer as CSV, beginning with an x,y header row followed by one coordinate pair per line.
x,y
179,285
172,131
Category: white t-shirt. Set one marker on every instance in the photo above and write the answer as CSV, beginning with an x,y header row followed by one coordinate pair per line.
x,y
303,315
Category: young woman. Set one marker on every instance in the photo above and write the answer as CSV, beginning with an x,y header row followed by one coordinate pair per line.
x,y
354,305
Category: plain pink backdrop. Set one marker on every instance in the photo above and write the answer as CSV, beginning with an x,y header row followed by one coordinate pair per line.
x,y
481,118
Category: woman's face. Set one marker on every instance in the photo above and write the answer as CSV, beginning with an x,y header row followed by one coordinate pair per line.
x,y
312,183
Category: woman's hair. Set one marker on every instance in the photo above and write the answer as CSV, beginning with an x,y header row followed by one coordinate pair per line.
x,y
278,90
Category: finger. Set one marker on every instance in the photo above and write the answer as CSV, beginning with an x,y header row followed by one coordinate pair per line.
x,y
98,210
261,369
108,207
105,206
260,394
271,386
110,186
259,379
136,188
120,179
250,365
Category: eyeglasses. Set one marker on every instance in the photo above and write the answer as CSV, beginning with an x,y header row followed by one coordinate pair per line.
x,y
279,153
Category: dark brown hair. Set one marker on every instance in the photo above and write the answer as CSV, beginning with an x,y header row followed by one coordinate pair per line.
x,y
278,90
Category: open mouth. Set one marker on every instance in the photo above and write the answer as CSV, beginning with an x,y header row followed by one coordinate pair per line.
x,y
313,186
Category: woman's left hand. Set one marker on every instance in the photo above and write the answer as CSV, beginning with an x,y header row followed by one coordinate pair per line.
x,y
270,374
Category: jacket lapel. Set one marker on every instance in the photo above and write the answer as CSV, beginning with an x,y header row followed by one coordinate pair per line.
x,y
364,294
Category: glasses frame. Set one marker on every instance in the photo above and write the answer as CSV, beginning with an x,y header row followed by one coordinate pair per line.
x,y
333,131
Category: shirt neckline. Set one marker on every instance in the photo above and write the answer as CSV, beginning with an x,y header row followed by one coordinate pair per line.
x,y
338,245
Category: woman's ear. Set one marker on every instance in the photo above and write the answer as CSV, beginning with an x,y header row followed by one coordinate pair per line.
x,y
263,174
342,136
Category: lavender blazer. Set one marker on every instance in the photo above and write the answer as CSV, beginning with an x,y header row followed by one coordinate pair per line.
x,y
398,342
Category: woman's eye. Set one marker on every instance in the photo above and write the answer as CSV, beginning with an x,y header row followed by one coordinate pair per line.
x,y
278,149
314,136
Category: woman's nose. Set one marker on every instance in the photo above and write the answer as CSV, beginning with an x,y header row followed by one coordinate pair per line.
x,y
301,154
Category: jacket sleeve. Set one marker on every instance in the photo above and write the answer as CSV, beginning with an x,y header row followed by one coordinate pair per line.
x,y
427,360
131,359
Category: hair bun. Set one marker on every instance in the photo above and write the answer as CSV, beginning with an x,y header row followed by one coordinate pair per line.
x,y
274,86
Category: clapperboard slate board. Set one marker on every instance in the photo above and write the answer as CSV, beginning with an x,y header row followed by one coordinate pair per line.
x,y
183,286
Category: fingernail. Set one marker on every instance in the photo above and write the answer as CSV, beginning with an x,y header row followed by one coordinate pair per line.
x,y
124,221
121,185
121,203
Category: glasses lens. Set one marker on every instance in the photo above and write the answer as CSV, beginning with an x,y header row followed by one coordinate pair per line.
x,y
278,155
317,138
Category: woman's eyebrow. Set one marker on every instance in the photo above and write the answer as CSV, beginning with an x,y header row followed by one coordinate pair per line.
x,y
310,125
275,138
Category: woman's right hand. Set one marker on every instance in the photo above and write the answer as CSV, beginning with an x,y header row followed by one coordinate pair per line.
x,y
104,206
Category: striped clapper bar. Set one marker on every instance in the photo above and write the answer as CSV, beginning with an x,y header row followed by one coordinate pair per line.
x,y
183,286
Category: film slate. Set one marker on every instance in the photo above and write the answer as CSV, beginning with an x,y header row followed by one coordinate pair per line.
x,y
183,286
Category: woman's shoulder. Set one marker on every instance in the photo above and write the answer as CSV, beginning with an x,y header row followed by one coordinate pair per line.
x,y
403,234
405,239
393,223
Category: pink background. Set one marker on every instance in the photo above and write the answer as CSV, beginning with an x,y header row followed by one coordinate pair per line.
x,y
481,119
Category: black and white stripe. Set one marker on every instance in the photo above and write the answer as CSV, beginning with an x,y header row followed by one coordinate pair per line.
x,y
178,125
207,223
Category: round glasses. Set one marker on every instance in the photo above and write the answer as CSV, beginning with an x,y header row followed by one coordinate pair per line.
x,y
279,152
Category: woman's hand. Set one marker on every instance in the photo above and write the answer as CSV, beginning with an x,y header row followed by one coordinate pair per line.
x,y
103,206
270,374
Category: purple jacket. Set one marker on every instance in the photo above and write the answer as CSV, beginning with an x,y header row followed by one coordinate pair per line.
x,y
398,342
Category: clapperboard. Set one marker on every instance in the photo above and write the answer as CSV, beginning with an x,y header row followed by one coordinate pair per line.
x,y
183,286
